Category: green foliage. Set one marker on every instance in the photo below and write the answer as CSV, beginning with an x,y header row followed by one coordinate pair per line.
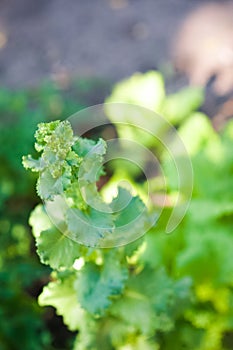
x,y
70,167
148,90
20,318
22,322
61,294
162,291
96,285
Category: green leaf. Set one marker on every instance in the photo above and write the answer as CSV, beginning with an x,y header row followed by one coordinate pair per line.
x,y
132,207
56,249
133,220
72,168
85,147
96,285
149,301
133,100
90,226
203,242
136,311
62,296
35,165
197,132
88,337
146,90
39,220
140,342
91,165
123,336
180,105
48,186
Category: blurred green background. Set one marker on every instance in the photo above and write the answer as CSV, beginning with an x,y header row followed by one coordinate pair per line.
x,y
56,60
22,323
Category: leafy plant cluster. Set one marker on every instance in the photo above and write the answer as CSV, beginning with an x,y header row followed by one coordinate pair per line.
x,y
162,291
20,317
21,275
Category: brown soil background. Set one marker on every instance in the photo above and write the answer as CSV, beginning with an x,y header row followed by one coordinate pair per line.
x,y
110,39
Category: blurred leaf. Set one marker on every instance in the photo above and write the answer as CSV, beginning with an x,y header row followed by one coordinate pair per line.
x,y
146,90
61,294
180,105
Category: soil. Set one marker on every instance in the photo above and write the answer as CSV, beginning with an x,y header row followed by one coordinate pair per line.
x,y
111,39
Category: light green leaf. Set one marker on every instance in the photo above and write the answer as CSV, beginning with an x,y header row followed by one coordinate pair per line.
x,y
139,343
35,165
146,90
55,137
91,165
196,132
39,220
48,186
62,296
56,249
180,105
